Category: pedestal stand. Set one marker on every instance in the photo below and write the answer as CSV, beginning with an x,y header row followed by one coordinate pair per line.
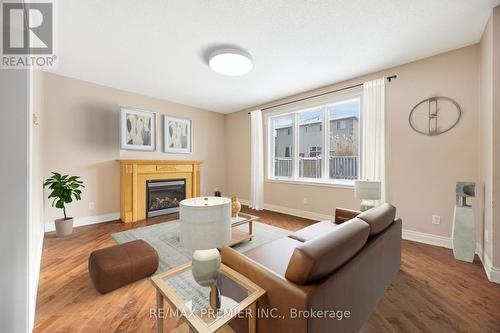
x,y
464,234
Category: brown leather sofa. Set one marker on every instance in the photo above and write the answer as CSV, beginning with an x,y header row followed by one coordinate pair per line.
x,y
327,277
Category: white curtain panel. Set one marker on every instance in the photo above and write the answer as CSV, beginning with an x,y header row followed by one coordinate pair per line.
x,y
257,161
373,129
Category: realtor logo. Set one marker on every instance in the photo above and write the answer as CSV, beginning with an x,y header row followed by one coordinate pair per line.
x,y
28,34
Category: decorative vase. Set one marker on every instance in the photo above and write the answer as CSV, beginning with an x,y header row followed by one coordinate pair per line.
x,y
64,227
206,266
235,206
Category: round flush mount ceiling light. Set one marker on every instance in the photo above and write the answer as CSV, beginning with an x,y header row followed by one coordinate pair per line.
x,y
230,62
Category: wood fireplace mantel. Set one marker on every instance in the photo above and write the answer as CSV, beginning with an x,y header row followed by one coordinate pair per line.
x,y
135,173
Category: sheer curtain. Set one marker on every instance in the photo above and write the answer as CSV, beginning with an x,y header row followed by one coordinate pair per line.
x,y
257,161
373,131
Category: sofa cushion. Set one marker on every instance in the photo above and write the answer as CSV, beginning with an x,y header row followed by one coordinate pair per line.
x,y
379,218
274,255
314,230
321,256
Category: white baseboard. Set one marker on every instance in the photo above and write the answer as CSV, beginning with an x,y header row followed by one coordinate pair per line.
x,y
79,222
430,239
407,234
292,211
493,273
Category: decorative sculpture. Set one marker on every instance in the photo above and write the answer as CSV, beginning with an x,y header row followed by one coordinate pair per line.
x,y
464,234
433,111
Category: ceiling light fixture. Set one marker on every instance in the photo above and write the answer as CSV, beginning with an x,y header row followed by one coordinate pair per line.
x,y
230,62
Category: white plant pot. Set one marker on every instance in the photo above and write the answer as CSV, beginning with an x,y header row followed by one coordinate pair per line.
x,y
64,227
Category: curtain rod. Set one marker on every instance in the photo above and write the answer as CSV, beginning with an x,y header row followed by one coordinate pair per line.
x,y
389,78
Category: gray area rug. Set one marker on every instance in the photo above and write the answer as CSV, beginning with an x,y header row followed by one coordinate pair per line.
x,y
164,237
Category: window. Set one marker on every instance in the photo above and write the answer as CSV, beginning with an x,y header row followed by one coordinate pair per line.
x,y
319,144
340,124
310,135
283,148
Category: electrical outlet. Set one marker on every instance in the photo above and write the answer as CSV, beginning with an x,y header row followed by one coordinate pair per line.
x,y
436,219
91,205
305,201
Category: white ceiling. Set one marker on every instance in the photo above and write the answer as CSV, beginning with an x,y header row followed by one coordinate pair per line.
x,y
159,47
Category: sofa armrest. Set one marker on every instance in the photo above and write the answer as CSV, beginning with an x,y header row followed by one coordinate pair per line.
x,y
342,214
281,295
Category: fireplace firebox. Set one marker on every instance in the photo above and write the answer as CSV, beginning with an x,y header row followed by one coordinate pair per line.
x,y
163,196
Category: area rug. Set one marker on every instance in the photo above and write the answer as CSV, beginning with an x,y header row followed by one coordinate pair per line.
x,y
164,237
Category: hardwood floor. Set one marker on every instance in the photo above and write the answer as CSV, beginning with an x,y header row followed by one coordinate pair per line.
x,y
432,292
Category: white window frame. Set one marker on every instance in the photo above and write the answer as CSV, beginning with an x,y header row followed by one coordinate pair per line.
x,y
295,109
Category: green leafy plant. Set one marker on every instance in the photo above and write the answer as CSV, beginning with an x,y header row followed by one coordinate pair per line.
x,y
64,189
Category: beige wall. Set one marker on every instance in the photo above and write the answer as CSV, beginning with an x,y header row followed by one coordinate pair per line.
x,y
485,187
80,127
15,257
496,137
423,170
80,136
490,138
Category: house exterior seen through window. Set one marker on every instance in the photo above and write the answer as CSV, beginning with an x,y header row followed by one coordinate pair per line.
x,y
320,143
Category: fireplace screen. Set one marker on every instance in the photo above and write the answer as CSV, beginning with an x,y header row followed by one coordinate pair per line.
x,y
163,196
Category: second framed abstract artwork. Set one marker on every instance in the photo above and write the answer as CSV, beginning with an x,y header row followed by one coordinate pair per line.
x,y
177,135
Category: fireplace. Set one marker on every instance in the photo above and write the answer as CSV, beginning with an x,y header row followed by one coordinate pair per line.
x,y
163,196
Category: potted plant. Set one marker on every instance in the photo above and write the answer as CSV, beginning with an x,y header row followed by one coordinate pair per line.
x,y
64,189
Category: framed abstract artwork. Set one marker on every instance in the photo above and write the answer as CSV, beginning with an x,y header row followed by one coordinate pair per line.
x,y
137,129
177,135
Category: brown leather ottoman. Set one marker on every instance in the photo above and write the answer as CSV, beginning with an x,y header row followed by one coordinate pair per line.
x,y
119,265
